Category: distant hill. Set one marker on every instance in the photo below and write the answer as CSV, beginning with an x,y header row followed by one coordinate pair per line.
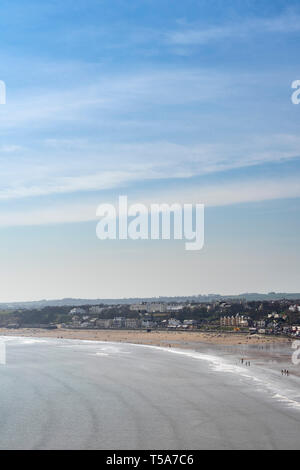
x,y
196,298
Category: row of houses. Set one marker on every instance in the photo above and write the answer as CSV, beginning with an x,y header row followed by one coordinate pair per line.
x,y
155,307
238,320
146,307
94,310
129,323
294,308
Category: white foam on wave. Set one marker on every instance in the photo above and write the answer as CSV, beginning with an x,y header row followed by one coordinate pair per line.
x,y
219,364
97,348
22,340
287,401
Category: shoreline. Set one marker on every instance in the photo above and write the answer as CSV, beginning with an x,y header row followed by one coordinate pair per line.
x,y
268,355
179,339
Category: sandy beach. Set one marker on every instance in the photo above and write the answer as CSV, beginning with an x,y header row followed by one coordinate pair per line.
x,y
179,339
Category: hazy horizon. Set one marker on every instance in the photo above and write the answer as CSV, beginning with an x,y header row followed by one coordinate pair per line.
x,y
96,299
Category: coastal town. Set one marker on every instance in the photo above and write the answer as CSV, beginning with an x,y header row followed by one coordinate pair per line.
x,y
276,317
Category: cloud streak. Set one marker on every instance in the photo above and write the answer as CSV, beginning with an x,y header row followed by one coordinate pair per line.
x,y
100,96
122,165
230,193
196,35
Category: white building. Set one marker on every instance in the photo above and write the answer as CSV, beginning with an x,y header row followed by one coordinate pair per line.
x,y
174,308
148,324
138,308
132,323
119,322
294,308
174,323
95,309
104,323
190,322
77,311
156,307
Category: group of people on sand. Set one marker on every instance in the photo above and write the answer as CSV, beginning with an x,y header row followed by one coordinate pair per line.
x,y
246,363
283,371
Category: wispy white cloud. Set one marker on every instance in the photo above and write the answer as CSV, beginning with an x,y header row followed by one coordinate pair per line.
x,y
195,34
60,165
90,100
237,192
9,148
229,193
122,165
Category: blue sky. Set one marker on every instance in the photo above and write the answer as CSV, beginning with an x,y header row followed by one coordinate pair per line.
x,y
163,101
